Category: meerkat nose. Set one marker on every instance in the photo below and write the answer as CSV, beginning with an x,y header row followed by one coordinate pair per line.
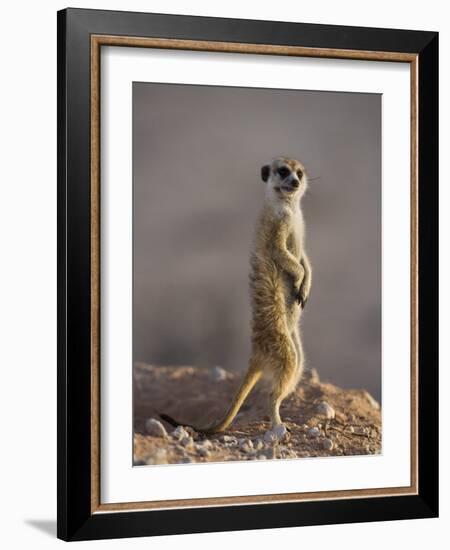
x,y
295,183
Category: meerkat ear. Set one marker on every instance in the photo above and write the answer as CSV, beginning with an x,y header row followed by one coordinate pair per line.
x,y
265,172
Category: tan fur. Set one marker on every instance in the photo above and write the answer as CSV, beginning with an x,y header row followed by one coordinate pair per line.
x,y
280,282
280,274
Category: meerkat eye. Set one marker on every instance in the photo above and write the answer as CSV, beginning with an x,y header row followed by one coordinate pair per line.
x,y
299,174
283,172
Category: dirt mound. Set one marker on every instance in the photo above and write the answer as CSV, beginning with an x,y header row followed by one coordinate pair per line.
x,y
321,419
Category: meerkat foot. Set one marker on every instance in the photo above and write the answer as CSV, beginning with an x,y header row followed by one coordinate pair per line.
x,y
278,432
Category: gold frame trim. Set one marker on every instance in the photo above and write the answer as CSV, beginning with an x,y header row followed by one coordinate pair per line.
x,y
263,49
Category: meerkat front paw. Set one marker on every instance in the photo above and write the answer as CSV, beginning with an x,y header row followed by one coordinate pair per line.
x,y
303,295
299,281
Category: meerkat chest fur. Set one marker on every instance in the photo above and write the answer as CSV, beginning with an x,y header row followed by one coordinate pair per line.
x,y
295,229
285,223
271,285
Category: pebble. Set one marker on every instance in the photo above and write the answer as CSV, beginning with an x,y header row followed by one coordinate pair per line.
x,y
246,446
373,402
203,452
314,432
187,441
218,374
179,433
155,428
327,444
258,444
228,440
311,375
261,457
326,410
186,460
278,433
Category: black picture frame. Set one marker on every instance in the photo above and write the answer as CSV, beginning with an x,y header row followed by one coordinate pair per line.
x,y
76,521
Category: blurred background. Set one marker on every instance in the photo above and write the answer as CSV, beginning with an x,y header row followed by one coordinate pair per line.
x,y
197,154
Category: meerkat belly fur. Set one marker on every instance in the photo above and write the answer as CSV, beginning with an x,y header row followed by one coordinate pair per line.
x,y
280,283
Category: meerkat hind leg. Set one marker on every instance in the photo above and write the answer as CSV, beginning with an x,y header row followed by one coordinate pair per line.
x,y
299,350
285,376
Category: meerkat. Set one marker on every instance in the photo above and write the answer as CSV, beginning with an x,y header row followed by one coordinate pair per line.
x,y
280,283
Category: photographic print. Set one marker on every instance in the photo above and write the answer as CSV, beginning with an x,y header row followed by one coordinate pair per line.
x,y
247,274
256,274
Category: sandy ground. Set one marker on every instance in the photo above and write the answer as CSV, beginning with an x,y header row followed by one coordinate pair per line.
x,y
321,419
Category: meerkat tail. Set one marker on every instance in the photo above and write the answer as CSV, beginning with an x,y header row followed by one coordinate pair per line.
x,y
251,378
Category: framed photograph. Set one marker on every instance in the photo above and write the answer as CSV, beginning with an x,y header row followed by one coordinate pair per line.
x,y
247,255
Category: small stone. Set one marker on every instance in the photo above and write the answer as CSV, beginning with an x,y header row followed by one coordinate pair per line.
x,y
187,441
207,444
186,460
314,432
218,374
261,457
327,444
258,444
203,452
373,402
269,438
139,462
229,440
246,446
311,375
326,410
179,433
155,428
351,429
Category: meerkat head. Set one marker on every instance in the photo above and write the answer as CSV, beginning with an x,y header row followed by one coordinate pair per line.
x,y
285,178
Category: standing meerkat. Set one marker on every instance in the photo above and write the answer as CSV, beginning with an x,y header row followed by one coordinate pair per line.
x,y
280,283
